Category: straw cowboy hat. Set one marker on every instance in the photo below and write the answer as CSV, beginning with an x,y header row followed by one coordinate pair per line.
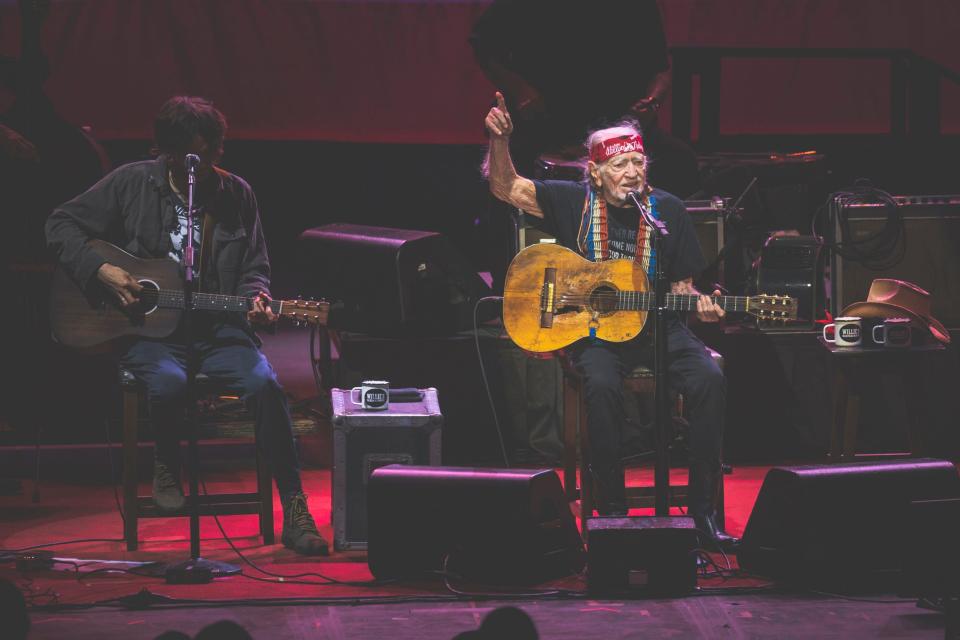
x,y
890,298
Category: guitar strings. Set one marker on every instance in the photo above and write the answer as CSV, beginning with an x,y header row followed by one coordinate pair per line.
x,y
616,299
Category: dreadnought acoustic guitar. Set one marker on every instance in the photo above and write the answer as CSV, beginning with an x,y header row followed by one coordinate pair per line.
x,y
90,319
553,297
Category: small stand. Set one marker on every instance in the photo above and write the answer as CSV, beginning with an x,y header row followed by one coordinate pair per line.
x,y
196,569
661,472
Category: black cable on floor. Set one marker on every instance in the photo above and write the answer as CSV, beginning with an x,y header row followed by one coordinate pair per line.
x,y
483,373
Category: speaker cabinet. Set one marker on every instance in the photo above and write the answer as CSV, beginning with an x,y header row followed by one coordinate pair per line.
x,y
929,569
793,266
840,526
390,282
494,526
930,258
643,556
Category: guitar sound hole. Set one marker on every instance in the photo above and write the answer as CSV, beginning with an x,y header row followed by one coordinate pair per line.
x,y
148,298
603,299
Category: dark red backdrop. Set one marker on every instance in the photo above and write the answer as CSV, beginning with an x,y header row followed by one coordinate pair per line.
x,y
402,71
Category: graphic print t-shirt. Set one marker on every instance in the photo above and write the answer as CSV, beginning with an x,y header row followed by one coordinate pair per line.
x,y
562,205
178,235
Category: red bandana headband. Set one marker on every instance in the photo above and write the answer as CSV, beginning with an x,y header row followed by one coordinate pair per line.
x,y
606,149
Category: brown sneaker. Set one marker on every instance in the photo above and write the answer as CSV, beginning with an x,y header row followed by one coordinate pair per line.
x,y
167,493
299,530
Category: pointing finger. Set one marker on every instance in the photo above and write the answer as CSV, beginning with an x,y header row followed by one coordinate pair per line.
x,y
501,103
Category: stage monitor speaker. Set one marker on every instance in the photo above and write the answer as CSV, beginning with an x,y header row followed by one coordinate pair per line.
x,y
840,526
931,256
495,526
391,282
930,568
641,555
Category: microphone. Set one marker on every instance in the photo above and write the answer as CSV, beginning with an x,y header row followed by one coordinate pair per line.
x,y
635,197
191,161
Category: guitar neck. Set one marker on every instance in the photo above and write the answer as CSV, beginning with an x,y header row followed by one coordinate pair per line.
x,y
644,301
173,298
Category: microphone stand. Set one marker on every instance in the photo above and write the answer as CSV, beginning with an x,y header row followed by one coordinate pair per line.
x,y
196,569
661,411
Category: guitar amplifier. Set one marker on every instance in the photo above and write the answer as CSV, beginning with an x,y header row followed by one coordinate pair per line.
x,y
793,266
930,251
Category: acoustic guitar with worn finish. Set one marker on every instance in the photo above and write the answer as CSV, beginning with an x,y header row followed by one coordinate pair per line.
x,y
553,297
93,318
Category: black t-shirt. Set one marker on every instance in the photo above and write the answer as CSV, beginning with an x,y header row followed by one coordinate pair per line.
x,y
562,206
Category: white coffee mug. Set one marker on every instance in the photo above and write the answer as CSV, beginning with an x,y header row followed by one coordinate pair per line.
x,y
374,395
895,333
847,331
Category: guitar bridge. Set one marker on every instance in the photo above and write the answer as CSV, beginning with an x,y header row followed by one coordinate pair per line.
x,y
548,297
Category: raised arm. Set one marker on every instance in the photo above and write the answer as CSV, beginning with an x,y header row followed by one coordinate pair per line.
x,y
505,184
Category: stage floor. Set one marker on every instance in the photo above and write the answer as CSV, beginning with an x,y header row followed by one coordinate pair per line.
x,y
733,608
81,504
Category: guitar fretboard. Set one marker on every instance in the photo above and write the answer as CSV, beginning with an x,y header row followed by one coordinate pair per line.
x,y
174,299
644,301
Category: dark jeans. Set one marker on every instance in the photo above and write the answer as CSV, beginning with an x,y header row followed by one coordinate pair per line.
x,y
228,355
691,371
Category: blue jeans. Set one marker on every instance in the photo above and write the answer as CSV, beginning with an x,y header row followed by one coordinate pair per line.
x,y
229,357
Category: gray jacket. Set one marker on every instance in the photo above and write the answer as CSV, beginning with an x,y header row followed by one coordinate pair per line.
x,y
132,208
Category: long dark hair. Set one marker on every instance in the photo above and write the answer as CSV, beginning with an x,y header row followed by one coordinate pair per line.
x,y
183,118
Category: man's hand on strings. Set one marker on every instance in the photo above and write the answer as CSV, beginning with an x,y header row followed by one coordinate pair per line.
x,y
707,310
261,313
498,120
118,280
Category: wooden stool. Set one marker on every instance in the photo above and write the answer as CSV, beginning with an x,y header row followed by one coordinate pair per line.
x,y
136,507
640,381
848,363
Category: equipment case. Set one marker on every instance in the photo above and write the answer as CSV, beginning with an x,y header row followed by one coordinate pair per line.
x,y
363,440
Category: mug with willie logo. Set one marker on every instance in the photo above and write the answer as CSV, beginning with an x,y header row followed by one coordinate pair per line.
x,y
895,333
374,395
847,331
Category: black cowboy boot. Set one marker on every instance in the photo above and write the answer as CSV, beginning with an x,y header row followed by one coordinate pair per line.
x,y
703,488
611,490
299,530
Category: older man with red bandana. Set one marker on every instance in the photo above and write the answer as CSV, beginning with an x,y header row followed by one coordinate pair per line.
x,y
593,218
